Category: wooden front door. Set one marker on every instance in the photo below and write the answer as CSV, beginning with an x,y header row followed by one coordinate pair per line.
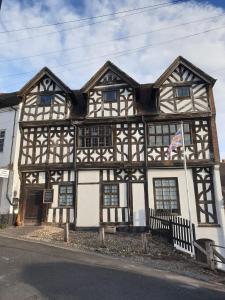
x,y
34,206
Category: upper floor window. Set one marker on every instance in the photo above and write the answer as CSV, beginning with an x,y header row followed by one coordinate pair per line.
x,y
65,195
110,95
166,195
95,136
162,134
110,195
182,91
2,139
45,100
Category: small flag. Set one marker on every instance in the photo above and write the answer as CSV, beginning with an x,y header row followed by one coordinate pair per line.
x,y
175,143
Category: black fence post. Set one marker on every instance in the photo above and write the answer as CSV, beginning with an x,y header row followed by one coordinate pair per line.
x,y
170,231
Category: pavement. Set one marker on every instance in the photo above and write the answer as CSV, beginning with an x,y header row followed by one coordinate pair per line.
x,y
33,271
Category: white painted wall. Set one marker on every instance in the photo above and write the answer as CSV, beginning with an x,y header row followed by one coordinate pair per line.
x,y
138,204
88,205
88,176
88,197
6,122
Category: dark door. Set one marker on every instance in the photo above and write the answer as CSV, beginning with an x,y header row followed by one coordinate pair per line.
x,y
34,206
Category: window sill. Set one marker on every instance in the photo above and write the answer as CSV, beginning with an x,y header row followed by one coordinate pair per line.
x,y
65,206
111,207
95,148
209,225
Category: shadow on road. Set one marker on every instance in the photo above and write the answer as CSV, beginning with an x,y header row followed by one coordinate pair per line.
x,y
78,281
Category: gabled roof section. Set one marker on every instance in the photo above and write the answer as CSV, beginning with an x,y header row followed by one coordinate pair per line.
x,y
38,76
181,60
109,66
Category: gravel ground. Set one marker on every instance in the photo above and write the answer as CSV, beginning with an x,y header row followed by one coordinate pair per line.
x,y
160,254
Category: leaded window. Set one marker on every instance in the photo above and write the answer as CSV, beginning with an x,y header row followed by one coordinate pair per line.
x,y
162,134
110,95
182,91
65,195
110,195
2,139
45,100
95,136
166,195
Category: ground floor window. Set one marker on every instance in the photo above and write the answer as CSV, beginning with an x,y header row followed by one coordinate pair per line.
x,y
65,195
110,195
166,195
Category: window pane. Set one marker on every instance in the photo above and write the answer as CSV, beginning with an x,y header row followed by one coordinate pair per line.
x,y
62,189
66,195
95,136
166,140
152,141
166,194
69,189
186,127
183,91
110,96
159,140
187,139
172,128
165,128
45,100
158,182
110,195
158,129
151,129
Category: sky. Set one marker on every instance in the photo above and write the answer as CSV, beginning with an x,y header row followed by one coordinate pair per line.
x,y
142,42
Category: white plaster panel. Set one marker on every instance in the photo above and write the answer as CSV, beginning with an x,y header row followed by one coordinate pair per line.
x,y
123,194
57,215
64,215
119,213
138,204
71,215
88,176
41,177
104,213
88,205
55,195
50,215
112,214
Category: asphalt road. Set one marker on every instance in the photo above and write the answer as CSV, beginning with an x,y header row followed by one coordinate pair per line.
x,y
32,271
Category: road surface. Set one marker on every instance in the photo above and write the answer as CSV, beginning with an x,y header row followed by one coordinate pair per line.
x,y
33,271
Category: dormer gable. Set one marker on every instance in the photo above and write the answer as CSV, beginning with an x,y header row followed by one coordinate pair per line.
x,y
109,74
184,88
46,80
45,97
111,93
181,70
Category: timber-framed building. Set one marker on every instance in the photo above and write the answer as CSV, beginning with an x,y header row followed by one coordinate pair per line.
x,y
98,155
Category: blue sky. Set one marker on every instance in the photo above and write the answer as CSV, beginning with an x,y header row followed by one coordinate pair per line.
x,y
74,51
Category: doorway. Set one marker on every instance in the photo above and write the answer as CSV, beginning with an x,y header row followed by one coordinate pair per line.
x,y
34,206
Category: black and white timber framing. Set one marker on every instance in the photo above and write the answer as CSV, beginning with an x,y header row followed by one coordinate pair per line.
x,y
100,153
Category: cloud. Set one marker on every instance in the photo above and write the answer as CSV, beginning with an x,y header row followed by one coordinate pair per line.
x,y
93,47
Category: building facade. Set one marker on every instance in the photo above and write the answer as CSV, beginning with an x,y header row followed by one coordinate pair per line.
x,y
98,156
9,145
